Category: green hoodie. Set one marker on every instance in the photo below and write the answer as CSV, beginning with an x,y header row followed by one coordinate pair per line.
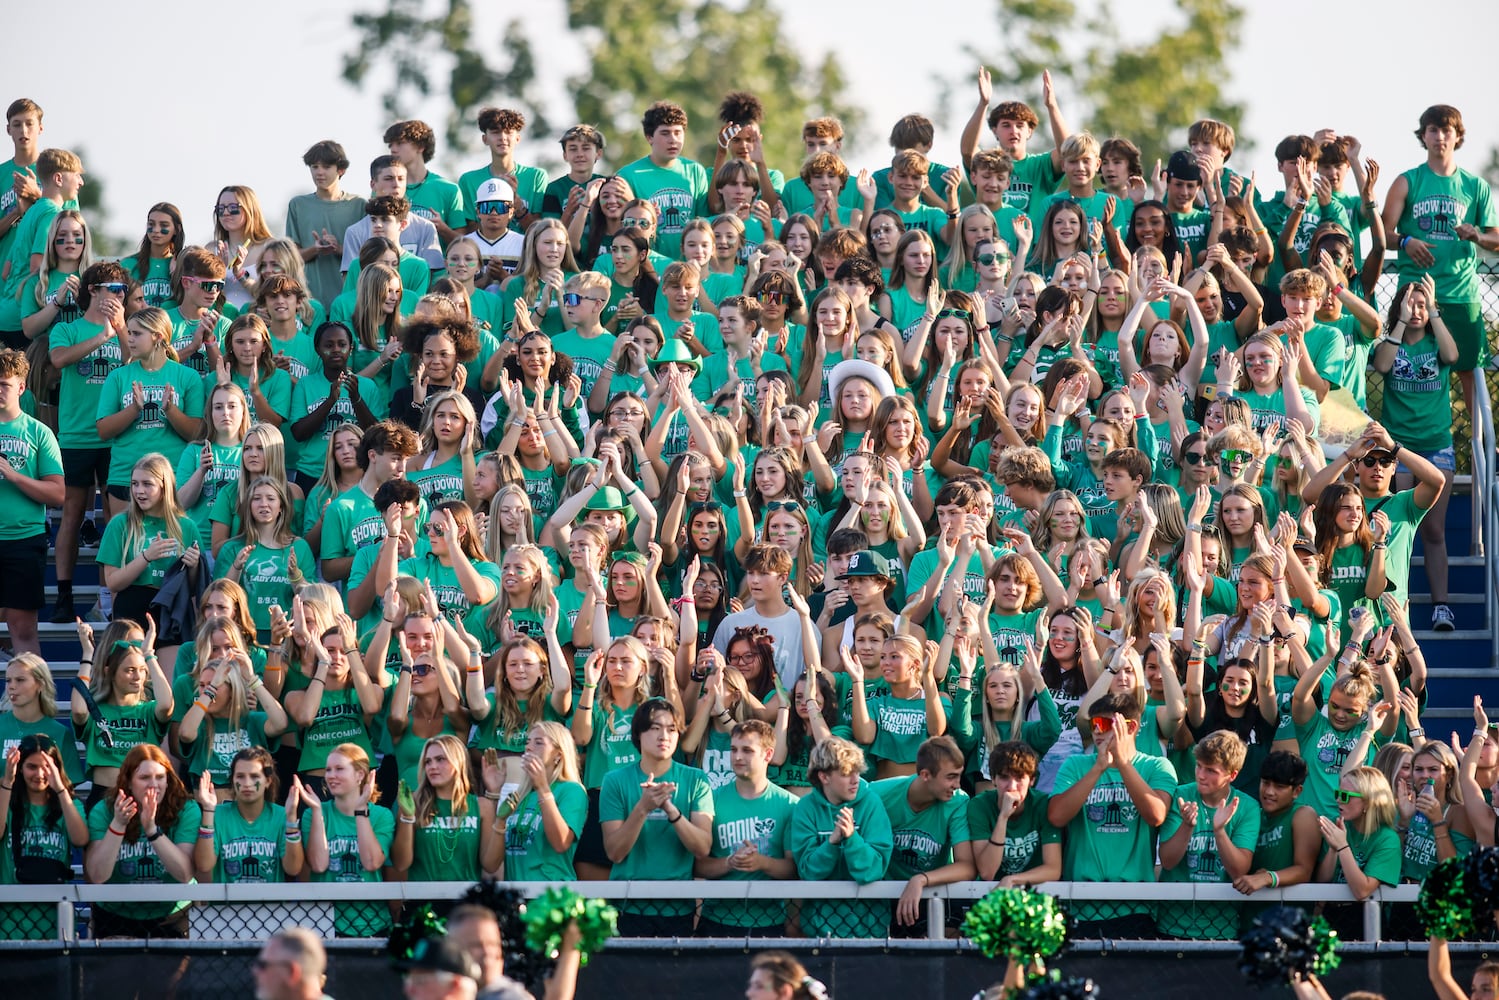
x,y
862,858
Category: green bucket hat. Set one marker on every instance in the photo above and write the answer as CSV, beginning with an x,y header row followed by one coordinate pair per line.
x,y
676,352
607,498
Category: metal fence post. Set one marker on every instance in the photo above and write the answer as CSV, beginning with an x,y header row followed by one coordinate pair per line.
x,y
67,923
936,918
1371,919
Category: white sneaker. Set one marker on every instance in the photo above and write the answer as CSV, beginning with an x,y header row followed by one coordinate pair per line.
x,y
1442,619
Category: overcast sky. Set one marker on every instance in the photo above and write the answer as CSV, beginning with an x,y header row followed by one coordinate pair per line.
x,y
175,105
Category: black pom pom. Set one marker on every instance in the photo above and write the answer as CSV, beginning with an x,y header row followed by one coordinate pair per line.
x,y
1283,945
1483,878
509,906
415,926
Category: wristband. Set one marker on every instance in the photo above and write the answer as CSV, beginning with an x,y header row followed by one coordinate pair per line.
x,y
675,819
586,685
1403,241
403,819
1274,880
492,796
151,838
204,833
473,670
200,705
117,833
996,843
363,811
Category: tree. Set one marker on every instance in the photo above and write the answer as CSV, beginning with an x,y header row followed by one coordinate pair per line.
x,y
1148,92
693,52
418,46
688,51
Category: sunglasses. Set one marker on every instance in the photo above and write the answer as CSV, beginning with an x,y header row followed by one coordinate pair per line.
x,y
1344,797
1103,724
1235,455
228,210
790,505
962,314
63,241
1370,461
36,742
702,506
421,669
211,285
494,208
985,259
113,287
1195,458
772,298
435,529
635,223
574,299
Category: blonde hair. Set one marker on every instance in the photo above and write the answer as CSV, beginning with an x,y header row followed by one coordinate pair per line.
x,y
471,440
228,673
1379,800
285,253
636,649
158,324
495,542
282,528
541,592
159,468
329,479
46,697
529,268
426,796
565,769
50,260
368,321
359,759
240,432
834,755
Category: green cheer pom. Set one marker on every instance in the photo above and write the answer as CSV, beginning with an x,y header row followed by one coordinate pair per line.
x,y
1324,943
550,913
1445,906
1019,924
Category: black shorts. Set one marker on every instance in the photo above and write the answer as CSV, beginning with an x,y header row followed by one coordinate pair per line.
x,y
121,493
591,841
16,340
85,467
22,564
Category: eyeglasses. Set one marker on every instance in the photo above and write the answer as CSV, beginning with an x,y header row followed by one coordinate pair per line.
x,y
494,208
113,287
211,285
772,298
63,241
1195,458
1384,462
962,314
574,299
709,583
221,210
261,964
789,505
985,259
1344,796
749,657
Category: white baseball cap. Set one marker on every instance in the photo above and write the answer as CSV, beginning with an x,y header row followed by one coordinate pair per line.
x,y
495,189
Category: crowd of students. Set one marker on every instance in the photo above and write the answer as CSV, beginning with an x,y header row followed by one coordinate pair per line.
x,y
930,523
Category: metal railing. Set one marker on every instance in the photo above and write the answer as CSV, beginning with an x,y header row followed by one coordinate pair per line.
x,y
263,908
1486,506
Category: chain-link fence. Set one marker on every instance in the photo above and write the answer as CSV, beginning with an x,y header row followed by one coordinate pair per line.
x,y
741,911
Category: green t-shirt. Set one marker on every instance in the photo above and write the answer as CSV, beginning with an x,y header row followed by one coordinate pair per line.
x,y
157,286
151,431
1033,176
588,354
923,840
30,448
610,748
900,725
679,192
529,856
215,754
12,730
339,719
1107,841
763,821
307,396
183,331
1026,832
351,523
437,199
112,551
1419,852
1325,751
1202,864
1405,521
221,476
447,848
68,309
82,383
1378,855
266,577
439,483
29,236
308,215
1418,398
138,864
658,853
249,852
298,347
352,919
1434,207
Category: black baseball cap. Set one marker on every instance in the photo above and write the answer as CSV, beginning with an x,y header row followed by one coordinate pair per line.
x,y
1183,166
438,954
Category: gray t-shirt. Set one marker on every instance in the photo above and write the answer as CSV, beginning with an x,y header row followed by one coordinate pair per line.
x,y
785,629
505,988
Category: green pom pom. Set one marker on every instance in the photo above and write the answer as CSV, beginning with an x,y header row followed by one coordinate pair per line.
x,y
549,914
1016,923
1324,941
1445,905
